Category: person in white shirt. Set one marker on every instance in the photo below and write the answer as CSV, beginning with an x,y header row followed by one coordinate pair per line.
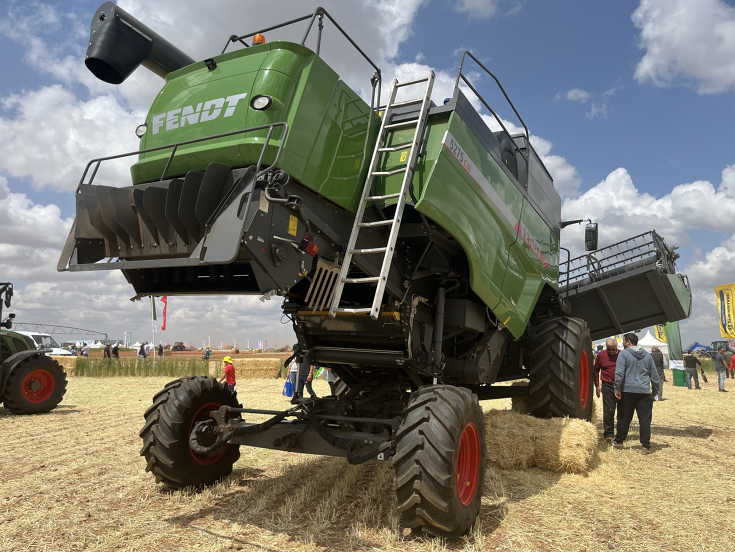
x,y
85,350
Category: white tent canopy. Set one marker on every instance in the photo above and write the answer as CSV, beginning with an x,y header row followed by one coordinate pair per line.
x,y
649,341
136,344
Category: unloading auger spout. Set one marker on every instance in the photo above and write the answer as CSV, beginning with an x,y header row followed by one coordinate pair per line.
x,y
119,44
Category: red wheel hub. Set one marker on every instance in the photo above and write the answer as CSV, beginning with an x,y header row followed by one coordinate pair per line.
x,y
203,414
38,386
584,379
468,464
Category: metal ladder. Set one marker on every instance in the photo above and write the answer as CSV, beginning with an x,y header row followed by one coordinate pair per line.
x,y
395,222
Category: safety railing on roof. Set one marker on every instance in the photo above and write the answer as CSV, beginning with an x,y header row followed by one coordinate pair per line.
x,y
319,13
462,77
619,258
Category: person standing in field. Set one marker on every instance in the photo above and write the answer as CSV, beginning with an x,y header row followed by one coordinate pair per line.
x,y
85,350
160,350
305,380
605,371
721,369
732,366
116,351
636,383
331,379
73,349
107,353
661,362
229,374
690,363
142,352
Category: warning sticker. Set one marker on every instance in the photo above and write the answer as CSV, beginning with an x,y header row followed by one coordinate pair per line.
x,y
404,156
293,225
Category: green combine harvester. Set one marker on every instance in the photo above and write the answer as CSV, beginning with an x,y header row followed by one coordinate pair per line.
x,y
416,252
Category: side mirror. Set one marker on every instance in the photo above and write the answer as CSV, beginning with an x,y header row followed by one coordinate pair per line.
x,y
8,295
590,237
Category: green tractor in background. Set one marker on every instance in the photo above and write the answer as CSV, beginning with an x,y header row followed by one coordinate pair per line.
x,y
30,381
416,251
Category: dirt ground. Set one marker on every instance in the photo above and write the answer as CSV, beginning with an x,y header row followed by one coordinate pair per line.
x,y
73,480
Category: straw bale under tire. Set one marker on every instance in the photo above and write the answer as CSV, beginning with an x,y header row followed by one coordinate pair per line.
x,y
517,441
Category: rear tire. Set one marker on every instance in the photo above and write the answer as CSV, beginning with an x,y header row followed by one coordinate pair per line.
x,y
560,369
440,461
168,425
36,386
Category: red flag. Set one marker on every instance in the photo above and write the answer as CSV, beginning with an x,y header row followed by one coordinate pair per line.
x,y
164,300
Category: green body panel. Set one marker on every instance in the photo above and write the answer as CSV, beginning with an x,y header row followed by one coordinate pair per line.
x,y
14,343
511,251
682,293
331,129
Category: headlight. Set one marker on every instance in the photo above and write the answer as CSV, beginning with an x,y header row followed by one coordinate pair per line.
x,y
140,131
261,102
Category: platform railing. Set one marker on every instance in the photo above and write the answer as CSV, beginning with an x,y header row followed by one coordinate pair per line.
x,y
462,77
174,147
618,258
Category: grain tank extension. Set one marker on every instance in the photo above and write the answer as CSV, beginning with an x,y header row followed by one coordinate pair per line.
x,y
416,252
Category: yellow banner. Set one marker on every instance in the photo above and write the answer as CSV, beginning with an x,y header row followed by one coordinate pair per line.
x,y
726,306
660,335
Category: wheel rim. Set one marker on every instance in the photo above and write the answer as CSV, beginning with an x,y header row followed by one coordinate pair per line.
x,y
468,464
38,386
203,414
584,379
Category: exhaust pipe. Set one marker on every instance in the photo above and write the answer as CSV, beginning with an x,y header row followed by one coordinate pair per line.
x,y
119,44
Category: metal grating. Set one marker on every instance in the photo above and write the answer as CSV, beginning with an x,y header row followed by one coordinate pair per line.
x,y
625,256
322,287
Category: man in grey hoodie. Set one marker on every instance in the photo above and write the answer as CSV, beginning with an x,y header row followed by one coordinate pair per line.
x,y
635,376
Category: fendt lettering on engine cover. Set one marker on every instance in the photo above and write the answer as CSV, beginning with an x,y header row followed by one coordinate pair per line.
x,y
205,111
416,252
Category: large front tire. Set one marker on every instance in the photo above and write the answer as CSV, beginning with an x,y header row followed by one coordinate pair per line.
x,y
440,461
560,369
168,425
36,386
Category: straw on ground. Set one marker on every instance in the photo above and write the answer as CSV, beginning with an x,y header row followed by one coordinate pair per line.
x,y
72,480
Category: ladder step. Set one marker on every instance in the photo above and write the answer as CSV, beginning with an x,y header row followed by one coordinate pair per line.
x,y
401,124
409,83
409,102
390,173
355,311
397,148
387,196
377,223
368,251
360,280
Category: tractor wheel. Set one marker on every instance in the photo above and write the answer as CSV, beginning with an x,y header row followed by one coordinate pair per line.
x,y
440,461
560,369
37,385
169,423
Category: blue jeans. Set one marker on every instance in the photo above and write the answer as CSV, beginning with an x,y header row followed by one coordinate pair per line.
x,y
692,373
721,379
231,387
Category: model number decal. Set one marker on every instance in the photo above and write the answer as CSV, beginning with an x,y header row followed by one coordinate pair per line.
x,y
476,174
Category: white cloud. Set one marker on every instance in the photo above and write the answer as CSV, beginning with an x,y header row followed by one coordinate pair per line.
x,y
578,95
687,41
53,135
487,9
597,111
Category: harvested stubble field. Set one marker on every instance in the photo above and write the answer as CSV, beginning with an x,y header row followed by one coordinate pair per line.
x,y
73,480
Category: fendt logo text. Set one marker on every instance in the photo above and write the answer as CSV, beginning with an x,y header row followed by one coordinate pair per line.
x,y
205,111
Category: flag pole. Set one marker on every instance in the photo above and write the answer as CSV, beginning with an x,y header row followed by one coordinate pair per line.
x,y
153,329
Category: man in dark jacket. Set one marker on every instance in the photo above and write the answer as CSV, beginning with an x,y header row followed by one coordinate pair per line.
x,y
690,363
721,368
661,362
636,382
605,371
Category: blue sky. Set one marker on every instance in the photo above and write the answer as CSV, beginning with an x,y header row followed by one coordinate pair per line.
x,y
630,103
